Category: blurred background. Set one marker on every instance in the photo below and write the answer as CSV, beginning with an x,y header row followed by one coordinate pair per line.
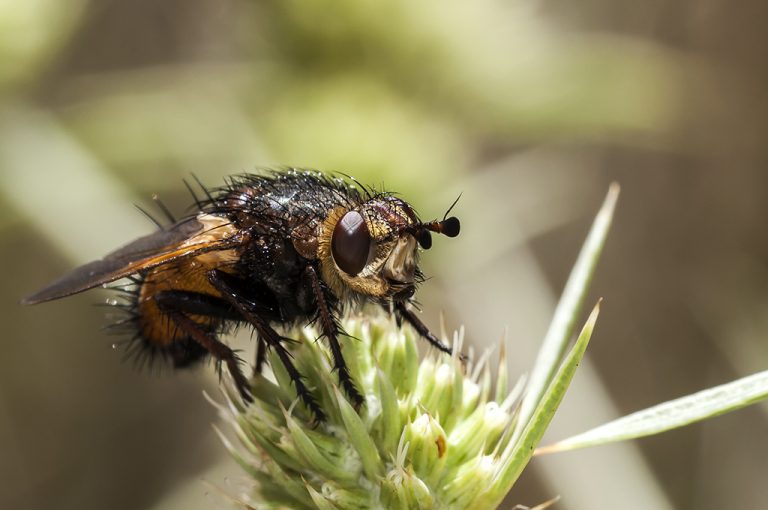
x,y
530,109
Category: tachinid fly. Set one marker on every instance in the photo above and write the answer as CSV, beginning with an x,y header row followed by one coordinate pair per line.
x,y
282,248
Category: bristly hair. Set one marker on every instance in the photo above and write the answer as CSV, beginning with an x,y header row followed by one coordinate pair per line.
x,y
138,351
247,196
344,187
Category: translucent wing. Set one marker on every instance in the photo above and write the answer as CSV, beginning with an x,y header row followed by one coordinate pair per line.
x,y
202,233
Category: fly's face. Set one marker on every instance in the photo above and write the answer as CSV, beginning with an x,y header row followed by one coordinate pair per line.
x,y
373,249
400,267
391,266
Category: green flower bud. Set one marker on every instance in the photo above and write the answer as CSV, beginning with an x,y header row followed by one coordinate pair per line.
x,y
478,431
427,437
427,447
398,357
470,478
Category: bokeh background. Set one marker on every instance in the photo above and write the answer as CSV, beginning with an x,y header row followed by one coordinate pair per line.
x,y
530,109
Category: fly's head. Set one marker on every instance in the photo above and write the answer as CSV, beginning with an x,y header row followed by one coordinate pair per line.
x,y
372,249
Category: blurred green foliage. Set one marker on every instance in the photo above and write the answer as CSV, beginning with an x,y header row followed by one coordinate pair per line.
x,y
31,36
376,89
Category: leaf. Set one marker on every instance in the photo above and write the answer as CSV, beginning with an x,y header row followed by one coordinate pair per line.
x,y
518,454
359,437
568,309
673,414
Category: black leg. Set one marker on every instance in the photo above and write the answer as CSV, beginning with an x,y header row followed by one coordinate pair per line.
x,y
331,331
261,355
226,284
195,303
207,340
403,312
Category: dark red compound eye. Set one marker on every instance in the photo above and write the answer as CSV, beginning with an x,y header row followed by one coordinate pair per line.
x,y
350,243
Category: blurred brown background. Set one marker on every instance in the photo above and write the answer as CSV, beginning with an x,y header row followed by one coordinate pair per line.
x,y
529,109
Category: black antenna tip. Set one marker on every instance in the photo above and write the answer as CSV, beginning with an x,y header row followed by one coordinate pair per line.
x,y
450,226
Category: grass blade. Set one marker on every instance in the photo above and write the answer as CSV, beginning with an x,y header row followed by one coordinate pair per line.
x,y
517,455
673,414
568,309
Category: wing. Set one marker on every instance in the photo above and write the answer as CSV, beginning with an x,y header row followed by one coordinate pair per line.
x,y
202,233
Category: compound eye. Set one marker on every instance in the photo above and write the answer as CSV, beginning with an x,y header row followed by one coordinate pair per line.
x,y
350,243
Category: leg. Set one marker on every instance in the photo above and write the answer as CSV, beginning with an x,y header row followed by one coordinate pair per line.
x,y
331,331
261,355
227,284
207,340
404,313
193,303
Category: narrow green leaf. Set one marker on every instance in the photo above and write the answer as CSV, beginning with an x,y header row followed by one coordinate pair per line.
x,y
673,414
270,393
319,500
350,498
359,437
502,377
304,445
410,364
567,312
284,454
270,475
456,393
393,492
517,454
389,421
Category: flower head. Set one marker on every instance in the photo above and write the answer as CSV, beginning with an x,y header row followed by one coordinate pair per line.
x,y
433,433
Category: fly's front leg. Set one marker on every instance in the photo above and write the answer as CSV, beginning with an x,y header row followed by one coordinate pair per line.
x,y
331,331
228,286
402,312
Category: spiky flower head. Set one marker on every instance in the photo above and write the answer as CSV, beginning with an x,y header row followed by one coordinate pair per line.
x,y
433,433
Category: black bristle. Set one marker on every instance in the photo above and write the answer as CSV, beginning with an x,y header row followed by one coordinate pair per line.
x,y
149,216
198,203
171,218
